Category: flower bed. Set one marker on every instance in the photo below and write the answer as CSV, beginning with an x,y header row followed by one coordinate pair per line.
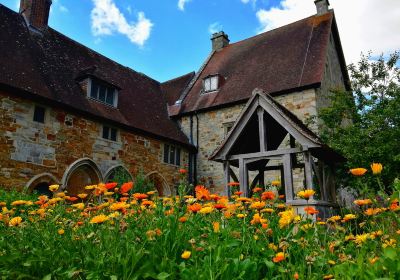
x,y
111,233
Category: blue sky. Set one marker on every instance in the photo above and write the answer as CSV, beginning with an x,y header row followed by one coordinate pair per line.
x,y
162,40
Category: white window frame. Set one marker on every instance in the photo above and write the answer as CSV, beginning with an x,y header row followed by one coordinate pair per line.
x,y
211,83
89,90
103,126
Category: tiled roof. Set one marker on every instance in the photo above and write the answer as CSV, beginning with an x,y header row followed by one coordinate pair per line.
x,y
48,65
287,58
174,88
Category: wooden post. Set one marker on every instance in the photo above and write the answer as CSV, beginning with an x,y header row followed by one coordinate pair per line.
x,y
261,177
287,172
308,170
243,177
227,178
261,129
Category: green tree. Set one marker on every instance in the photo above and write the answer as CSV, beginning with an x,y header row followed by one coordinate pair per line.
x,y
364,124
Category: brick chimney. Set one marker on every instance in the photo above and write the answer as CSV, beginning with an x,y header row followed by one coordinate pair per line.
x,y
35,12
219,40
322,6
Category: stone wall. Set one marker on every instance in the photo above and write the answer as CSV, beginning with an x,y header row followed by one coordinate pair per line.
x,y
212,130
29,148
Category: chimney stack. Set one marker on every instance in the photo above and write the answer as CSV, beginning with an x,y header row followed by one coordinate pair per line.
x,y
219,40
35,12
322,6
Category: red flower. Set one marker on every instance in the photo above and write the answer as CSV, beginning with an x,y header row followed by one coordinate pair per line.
x,y
311,210
194,208
268,195
233,184
219,206
110,186
71,198
257,189
140,196
126,187
238,193
182,171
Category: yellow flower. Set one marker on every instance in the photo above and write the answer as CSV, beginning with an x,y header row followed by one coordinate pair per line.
x,y
306,194
216,227
60,194
91,187
373,260
15,221
358,171
99,219
273,246
114,215
286,217
328,277
306,227
53,188
258,219
389,243
206,210
186,254
279,257
61,231
22,202
276,183
361,238
257,205
348,217
241,216
334,219
82,195
119,206
331,262
79,206
376,168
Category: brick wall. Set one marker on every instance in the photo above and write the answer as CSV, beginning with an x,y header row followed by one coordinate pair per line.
x,y
28,148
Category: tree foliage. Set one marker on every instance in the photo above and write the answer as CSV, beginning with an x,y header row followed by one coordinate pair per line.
x,y
364,124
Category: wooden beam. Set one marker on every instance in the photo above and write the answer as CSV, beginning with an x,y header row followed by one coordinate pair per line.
x,y
261,129
233,175
261,177
255,181
308,170
243,178
265,154
227,177
288,176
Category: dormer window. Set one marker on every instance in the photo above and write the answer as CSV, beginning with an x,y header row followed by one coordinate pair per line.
x,y
210,83
103,92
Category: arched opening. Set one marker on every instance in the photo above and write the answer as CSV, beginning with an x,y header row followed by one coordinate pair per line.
x,y
119,174
80,174
159,183
40,184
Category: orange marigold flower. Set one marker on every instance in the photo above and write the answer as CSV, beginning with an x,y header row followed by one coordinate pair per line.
x,y
71,198
233,184
194,208
53,188
268,195
279,257
79,206
182,219
82,195
376,168
202,193
348,217
311,210
296,276
358,171
258,219
110,186
238,193
257,189
16,221
140,196
99,219
306,194
372,211
126,187
362,202
216,227
328,277
61,231
281,196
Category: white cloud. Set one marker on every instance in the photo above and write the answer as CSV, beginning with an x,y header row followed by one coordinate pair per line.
x,y
363,25
107,19
247,1
64,9
214,27
181,4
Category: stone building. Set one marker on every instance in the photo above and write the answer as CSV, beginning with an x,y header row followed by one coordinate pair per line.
x,y
71,116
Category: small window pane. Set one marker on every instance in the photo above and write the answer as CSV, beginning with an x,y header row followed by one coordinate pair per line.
x,y
38,114
113,134
166,153
178,156
110,96
214,83
207,84
94,89
172,155
102,94
106,132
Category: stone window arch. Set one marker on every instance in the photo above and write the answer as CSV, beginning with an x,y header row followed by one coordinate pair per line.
x,y
118,171
80,174
41,182
160,183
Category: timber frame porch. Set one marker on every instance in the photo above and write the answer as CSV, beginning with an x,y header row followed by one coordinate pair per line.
x,y
257,140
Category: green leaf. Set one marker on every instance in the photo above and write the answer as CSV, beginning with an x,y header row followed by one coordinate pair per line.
x,y
162,276
47,277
